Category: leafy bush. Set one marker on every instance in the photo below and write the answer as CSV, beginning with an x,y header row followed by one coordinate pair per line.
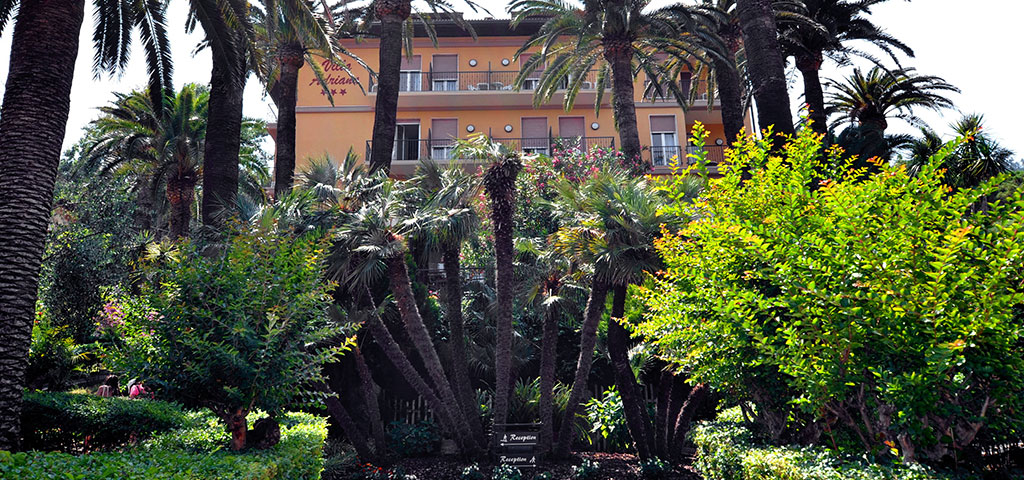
x,y
586,470
192,452
879,307
227,326
54,360
608,419
506,472
472,472
62,421
414,440
655,469
728,451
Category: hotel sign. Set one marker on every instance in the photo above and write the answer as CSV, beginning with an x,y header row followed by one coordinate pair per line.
x,y
335,78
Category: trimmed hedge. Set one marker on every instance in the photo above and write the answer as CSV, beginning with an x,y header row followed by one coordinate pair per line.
x,y
194,451
62,421
729,451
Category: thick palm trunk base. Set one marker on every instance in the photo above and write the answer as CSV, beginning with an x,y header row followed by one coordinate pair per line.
x,y
459,371
766,65
623,103
32,123
548,360
632,401
730,93
388,80
223,139
290,59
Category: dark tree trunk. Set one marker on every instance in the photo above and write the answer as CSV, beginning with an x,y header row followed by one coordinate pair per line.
x,y
401,287
392,15
730,93
619,56
369,391
810,69
680,391
766,65
588,340
661,412
453,310
698,396
144,203
548,361
32,122
181,190
238,427
347,423
223,135
290,57
632,400
500,186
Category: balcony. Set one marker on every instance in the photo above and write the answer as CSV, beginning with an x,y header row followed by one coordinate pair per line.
x,y
473,81
663,158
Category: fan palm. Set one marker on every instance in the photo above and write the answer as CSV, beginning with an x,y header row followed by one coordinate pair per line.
x,y
837,24
872,100
330,182
33,118
978,157
611,37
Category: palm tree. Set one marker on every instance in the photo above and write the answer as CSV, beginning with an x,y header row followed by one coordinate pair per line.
x,y
614,230
979,157
295,34
450,192
765,65
872,100
607,35
169,148
33,118
836,23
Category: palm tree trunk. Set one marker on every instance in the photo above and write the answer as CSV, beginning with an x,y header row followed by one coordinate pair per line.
x,y
370,399
730,93
392,15
548,360
347,423
144,202
680,391
661,412
223,135
693,404
632,402
32,123
290,57
453,310
401,287
766,65
810,69
588,340
620,59
180,194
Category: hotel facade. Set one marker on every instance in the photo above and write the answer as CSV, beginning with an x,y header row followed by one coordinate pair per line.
x,y
465,86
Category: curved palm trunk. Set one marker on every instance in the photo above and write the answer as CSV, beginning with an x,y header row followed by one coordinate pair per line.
x,y
223,136
32,123
548,360
401,287
499,184
290,57
661,429
620,58
392,14
459,372
680,391
588,340
340,414
730,92
766,65
810,69
380,443
694,402
632,401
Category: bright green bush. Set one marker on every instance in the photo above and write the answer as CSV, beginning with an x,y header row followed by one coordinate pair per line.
x,y
608,419
226,326
192,452
62,421
728,451
54,359
883,304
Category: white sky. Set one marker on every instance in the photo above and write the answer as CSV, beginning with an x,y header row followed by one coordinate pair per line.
x,y
970,44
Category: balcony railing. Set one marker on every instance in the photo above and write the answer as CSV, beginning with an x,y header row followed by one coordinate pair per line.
x,y
664,156
474,81
442,149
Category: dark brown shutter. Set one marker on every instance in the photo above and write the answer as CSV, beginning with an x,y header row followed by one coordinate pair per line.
x,y
443,131
663,123
535,132
445,67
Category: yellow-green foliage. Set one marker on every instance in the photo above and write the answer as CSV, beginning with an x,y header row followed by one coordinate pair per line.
x,y
194,452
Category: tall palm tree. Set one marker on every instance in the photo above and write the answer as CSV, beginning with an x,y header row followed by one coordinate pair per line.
x,y
617,220
168,147
766,65
294,33
609,36
33,118
837,23
871,100
979,157
450,192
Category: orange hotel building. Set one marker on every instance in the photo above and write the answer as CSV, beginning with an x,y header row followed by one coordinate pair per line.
x,y
464,86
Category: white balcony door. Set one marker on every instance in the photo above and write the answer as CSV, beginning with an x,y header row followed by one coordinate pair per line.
x,y
664,139
407,142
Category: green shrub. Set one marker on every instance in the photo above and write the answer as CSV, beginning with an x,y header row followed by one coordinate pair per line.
x,y
414,440
506,472
226,326
62,421
472,472
192,452
728,451
586,470
884,302
54,360
655,469
608,419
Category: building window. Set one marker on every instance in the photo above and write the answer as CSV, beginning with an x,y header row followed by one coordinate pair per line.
x,y
410,81
664,141
444,73
407,141
445,85
443,132
535,135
